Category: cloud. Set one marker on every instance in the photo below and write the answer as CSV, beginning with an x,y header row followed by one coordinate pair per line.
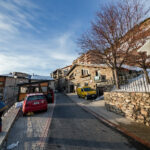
x,y
14,16
39,56
22,47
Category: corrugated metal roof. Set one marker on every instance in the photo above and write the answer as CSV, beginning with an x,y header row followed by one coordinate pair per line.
x,y
38,77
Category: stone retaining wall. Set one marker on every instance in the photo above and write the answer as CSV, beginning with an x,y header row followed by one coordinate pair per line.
x,y
133,105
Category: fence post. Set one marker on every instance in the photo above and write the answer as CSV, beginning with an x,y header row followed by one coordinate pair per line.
x,y
136,86
141,85
144,83
148,87
132,87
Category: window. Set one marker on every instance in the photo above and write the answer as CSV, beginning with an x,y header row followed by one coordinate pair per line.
x,y
84,72
85,84
96,73
35,97
23,90
37,89
103,77
87,89
65,71
78,84
44,89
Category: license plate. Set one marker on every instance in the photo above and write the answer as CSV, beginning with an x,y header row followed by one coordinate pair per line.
x,y
35,103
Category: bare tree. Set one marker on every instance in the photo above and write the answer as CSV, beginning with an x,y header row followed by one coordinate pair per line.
x,y
141,60
113,33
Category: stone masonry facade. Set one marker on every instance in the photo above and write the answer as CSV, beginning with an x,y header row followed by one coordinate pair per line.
x,y
133,105
76,79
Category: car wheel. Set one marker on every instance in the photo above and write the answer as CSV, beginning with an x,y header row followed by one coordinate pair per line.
x,y
24,114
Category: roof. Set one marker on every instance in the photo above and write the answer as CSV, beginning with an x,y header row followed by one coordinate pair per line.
x,y
61,68
134,68
66,67
38,77
86,65
32,83
6,75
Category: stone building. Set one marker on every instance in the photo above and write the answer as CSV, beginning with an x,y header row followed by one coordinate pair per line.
x,y
90,57
59,75
87,75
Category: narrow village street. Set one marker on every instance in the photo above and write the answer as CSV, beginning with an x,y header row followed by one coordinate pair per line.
x,y
75,75
74,129
66,126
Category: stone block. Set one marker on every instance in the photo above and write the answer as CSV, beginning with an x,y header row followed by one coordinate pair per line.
x,y
147,107
147,124
128,100
140,117
144,112
146,95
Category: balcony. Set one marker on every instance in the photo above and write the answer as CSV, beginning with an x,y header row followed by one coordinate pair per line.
x,y
85,75
101,78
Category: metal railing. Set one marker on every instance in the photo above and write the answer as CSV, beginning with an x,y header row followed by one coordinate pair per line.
x,y
137,84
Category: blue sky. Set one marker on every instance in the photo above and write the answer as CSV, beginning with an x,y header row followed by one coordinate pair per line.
x,y
39,36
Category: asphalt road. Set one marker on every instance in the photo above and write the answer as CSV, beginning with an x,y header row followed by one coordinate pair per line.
x,y
74,129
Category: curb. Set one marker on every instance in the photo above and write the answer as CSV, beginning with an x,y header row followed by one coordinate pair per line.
x,y
113,125
5,134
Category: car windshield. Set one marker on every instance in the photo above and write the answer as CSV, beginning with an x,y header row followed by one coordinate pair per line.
x,y
87,89
35,97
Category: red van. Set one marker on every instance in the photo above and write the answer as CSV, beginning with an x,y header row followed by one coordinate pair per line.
x,y
34,102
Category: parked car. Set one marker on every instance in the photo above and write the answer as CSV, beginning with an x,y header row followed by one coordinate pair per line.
x,y
86,92
50,96
34,102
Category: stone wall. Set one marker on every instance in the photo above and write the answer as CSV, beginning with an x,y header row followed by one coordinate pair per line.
x,y
133,105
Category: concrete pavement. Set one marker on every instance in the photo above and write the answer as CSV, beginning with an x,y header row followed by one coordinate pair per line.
x,y
139,132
